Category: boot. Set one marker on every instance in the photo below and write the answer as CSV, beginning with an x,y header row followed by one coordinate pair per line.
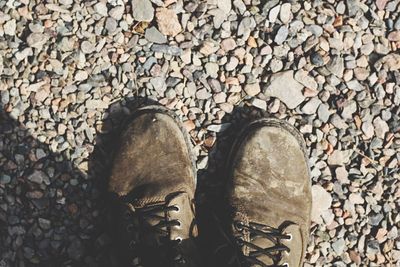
x,y
269,191
153,180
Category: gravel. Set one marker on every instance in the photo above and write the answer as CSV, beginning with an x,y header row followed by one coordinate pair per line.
x,y
70,70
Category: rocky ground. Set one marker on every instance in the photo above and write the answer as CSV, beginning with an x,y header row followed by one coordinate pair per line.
x,y
70,70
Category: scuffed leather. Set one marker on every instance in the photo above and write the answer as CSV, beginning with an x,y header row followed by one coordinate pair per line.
x,y
152,161
270,184
153,165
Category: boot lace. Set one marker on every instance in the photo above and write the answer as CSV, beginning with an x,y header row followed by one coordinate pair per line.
x,y
275,235
160,229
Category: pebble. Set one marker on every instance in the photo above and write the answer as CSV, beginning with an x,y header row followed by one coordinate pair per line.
x,y
10,27
166,49
37,177
142,10
302,77
285,13
154,36
252,89
317,59
228,44
336,66
258,103
311,106
321,200
36,40
292,96
117,12
168,22
281,35
101,9
87,47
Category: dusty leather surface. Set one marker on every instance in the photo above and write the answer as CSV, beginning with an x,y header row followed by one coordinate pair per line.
x,y
270,184
153,166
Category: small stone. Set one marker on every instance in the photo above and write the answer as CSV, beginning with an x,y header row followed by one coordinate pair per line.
x,y
212,69
368,129
273,13
380,4
111,25
342,175
258,103
324,113
101,9
44,223
380,127
394,36
37,40
203,94
283,86
321,200
95,104
159,84
375,219
246,25
219,97
316,59
228,44
10,27
81,75
218,127
166,49
117,12
302,77
252,89
142,10
281,35
170,93
154,36
87,47
311,106
232,64
189,125
285,14
37,177
224,5
339,157
336,66
339,246
5,179
168,22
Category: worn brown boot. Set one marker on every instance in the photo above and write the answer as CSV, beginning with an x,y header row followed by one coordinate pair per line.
x,y
269,192
153,179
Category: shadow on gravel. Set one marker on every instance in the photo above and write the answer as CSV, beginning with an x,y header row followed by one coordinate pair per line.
x,y
54,214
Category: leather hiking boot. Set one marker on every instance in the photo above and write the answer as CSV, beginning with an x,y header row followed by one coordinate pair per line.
x,y
153,180
269,190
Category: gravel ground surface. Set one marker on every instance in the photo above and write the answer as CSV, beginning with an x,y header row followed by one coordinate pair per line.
x,y
70,69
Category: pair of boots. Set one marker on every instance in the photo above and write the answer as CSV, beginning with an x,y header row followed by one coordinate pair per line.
x,y
154,180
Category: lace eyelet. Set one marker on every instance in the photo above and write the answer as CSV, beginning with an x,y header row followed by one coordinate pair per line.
x,y
132,244
177,209
285,264
239,241
239,226
179,239
290,237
